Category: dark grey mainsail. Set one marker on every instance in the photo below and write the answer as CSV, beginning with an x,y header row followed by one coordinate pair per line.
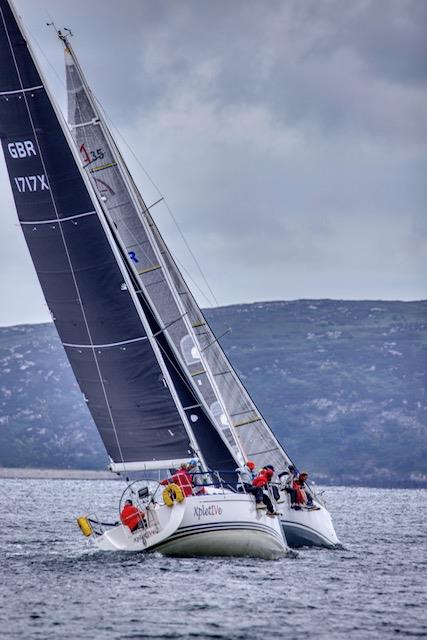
x,y
82,276
202,358
145,410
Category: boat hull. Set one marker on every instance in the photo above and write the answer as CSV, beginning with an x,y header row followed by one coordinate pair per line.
x,y
237,542
226,524
308,528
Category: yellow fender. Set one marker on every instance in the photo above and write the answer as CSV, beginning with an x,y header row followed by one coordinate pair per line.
x,y
85,526
171,493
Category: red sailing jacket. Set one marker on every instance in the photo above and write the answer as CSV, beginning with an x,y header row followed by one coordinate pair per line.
x,y
301,495
183,480
262,479
131,516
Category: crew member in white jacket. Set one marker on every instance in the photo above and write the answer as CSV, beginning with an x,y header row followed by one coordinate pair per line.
x,y
246,476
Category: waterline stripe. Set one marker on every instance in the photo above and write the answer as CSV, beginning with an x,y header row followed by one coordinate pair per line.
x,y
296,525
218,528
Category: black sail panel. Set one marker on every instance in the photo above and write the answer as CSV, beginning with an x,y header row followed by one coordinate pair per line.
x,y
215,451
81,277
108,310
146,414
11,37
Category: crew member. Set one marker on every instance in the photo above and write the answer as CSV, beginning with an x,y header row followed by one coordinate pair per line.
x,y
198,479
304,496
259,483
182,478
287,479
246,475
131,516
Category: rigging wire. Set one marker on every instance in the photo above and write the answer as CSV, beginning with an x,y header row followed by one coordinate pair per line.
x,y
175,221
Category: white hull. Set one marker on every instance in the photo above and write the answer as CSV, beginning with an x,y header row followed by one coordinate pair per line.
x,y
308,528
224,524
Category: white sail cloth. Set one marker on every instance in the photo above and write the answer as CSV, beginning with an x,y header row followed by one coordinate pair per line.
x,y
209,371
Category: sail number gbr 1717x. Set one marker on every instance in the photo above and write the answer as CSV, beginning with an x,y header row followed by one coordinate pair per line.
x,y
23,149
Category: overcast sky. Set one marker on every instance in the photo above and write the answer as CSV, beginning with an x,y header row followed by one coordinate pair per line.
x,y
288,137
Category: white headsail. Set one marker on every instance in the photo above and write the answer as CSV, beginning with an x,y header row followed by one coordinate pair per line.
x,y
209,371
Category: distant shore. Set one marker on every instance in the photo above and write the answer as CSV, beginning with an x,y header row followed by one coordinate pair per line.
x,y
57,474
96,474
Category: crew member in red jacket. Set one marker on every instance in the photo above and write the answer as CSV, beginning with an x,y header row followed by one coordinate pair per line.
x,y
260,483
182,478
303,494
131,516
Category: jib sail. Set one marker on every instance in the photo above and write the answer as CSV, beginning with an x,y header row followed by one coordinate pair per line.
x,y
201,357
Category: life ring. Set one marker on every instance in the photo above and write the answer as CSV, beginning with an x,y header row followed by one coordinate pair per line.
x,y
171,493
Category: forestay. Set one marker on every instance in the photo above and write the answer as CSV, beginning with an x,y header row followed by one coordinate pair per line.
x,y
84,280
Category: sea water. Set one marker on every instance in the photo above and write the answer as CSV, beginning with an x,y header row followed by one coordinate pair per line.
x,y
54,585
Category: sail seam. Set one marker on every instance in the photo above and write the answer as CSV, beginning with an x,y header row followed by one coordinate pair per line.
x,y
22,90
101,346
79,215
259,453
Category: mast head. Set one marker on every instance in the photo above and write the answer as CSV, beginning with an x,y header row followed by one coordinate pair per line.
x,y
62,35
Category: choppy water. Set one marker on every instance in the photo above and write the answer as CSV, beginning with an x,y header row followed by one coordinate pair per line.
x,y
53,585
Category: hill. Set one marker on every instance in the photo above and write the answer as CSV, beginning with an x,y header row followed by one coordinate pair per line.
x,y
343,385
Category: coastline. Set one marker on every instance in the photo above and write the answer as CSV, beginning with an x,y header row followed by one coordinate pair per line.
x,y
99,474
55,474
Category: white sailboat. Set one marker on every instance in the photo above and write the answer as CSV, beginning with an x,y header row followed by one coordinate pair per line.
x,y
156,381
187,332
218,522
141,395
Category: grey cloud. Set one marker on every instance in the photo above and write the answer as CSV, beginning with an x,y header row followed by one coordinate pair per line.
x,y
288,136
